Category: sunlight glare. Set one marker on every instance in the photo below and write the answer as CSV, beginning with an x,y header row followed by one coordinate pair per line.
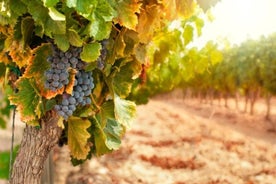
x,y
238,20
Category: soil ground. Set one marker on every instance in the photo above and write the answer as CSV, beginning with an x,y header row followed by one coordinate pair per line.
x,y
185,142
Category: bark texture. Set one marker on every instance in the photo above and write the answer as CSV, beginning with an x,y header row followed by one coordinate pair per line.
x,y
35,147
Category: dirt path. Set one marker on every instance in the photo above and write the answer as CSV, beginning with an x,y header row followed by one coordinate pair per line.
x,y
176,142
173,142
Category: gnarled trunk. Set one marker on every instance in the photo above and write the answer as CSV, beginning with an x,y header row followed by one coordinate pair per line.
x,y
35,147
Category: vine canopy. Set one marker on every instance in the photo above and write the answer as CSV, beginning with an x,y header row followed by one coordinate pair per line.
x,y
28,31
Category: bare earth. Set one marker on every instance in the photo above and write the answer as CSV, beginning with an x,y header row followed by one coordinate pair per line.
x,y
184,142
176,142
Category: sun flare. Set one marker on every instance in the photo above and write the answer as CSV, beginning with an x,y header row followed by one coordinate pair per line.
x,y
238,20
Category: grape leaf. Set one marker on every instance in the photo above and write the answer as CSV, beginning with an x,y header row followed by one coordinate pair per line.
x,y
188,34
149,21
56,15
113,131
26,99
140,52
91,52
50,3
178,8
44,22
130,39
74,38
99,138
13,9
62,42
127,13
106,135
216,57
37,65
78,136
125,111
19,54
199,24
99,28
2,71
122,81
27,27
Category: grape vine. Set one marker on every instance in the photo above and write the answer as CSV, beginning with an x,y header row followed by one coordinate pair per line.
x,y
83,77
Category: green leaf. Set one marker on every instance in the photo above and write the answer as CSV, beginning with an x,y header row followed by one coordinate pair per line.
x,y
74,38
99,138
188,34
91,52
123,80
71,3
107,110
3,123
125,111
99,28
4,162
62,42
26,99
85,6
50,3
27,27
199,24
50,104
56,15
78,136
44,23
113,131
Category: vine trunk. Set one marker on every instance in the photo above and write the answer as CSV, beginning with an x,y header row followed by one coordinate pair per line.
x,y
34,149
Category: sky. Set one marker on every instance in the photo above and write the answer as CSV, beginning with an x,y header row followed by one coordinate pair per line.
x,y
238,20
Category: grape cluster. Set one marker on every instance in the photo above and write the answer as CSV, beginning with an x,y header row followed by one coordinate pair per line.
x,y
80,96
57,76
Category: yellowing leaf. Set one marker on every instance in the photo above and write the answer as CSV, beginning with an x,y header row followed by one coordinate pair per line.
x,y
127,13
149,22
216,56
37,65
70,85
19,54
78,136
174,9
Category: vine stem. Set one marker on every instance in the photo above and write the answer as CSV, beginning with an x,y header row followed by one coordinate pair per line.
x,y
12,142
